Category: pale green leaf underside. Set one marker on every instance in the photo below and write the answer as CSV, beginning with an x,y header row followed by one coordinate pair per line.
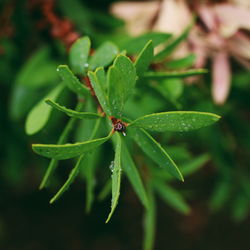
x,y
103,56
116,176
121,82
176,121
172,197
144,59
133,175
40,113
154,150
98,81
71,112
66,151
78,55
174,74
71,81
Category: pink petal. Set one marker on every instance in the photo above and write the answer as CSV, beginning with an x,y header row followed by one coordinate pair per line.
x,y
221,76
174,17
207,15
137,15
232,18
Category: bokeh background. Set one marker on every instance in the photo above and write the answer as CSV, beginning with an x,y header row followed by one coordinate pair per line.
x,y
35,36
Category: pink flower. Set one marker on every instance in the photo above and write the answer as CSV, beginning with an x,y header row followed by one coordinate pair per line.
x,y
218,34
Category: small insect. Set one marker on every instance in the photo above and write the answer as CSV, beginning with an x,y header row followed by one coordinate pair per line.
x,y
118,125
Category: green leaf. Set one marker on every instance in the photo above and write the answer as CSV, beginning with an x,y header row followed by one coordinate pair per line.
x,y
172,197
194,165
106,190
78,55
103,56
174,74
144,59
98,82
67,151
121,81
169,49
221,194
116,176
177,121
149,220
74,172
39,115
62,139
132,173
71,81
71,112
183,62
154,150
134,45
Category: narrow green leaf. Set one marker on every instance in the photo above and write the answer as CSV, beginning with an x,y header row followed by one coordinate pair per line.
x,y
186,169
39,115
222,193
121,82
181,63
144,59
149,220
135,44
62,139
78,55
82,160
116,176
194,165
172,197
154,150
71,112
103,56
173,45
106,190
177,121
67,151
98,81
133,175
174,74
74,172
71,81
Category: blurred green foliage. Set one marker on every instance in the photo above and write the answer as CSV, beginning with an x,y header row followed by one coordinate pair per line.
x,y
214,160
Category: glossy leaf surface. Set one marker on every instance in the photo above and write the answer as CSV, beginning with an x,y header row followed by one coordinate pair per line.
x,y
71,81
121,82
144,58
67,151
176,121
116,176
98,82
78,55
154,150
103,56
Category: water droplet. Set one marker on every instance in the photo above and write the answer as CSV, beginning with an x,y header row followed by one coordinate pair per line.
x,y
111,166
86,65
